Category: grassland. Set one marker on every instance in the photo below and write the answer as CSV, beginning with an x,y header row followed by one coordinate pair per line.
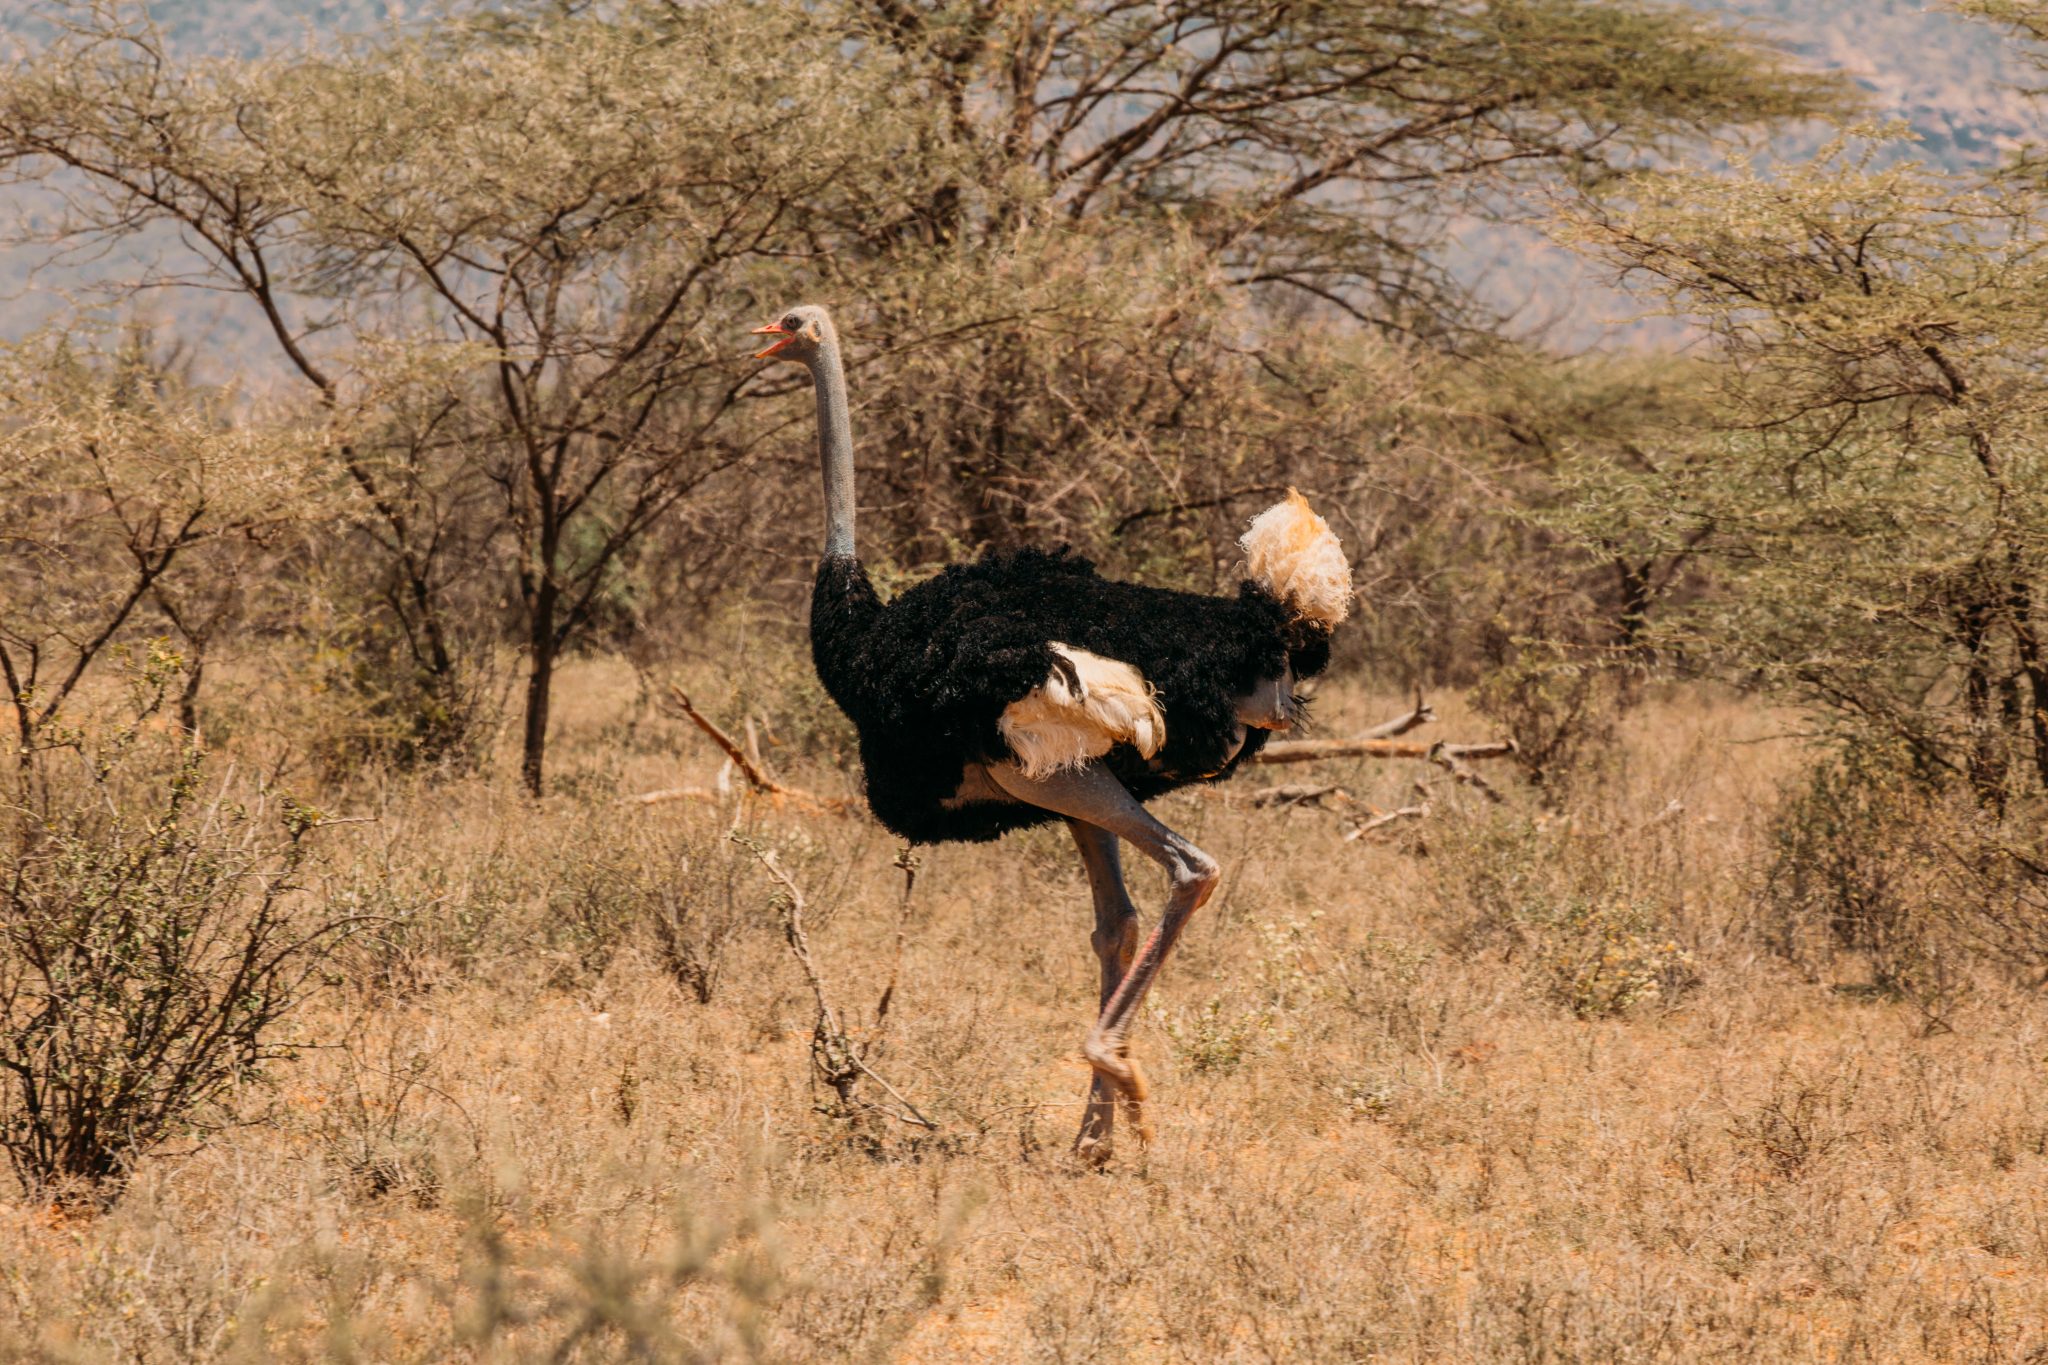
x,y
1516,1082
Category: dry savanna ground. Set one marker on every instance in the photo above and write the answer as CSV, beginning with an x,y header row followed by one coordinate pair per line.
x,y
1515,1082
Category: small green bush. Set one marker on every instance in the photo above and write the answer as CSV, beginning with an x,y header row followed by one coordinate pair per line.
x,y
1601,957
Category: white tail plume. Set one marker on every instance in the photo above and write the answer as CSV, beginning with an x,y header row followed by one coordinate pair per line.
x,y
1293,554
1085,707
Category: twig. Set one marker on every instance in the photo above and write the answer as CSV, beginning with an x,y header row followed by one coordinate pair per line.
x,y
1301,794
1673,809
754,748
1450,757
1381,741
655,798
1309,750
836,1058
909,862
1387,817
760,780
1173,508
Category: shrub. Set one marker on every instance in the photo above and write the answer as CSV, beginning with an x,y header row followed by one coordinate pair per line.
x,y
1574,904
1850,870
694,919
152,937
1600,957
1557,702
1219,1038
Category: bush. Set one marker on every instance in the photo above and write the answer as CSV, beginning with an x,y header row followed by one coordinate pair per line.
x,y
1557,702
1596,932
152,936
1601,957
1850,871
381,701
1220,1038
695,915
1920,880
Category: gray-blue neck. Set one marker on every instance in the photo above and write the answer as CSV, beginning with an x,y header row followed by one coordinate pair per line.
x,y
835,446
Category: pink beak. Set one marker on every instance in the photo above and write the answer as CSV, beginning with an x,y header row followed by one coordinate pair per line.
x,y
773,330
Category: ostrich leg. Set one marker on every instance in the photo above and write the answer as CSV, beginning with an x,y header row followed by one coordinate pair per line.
x,y
1116,944
1093,795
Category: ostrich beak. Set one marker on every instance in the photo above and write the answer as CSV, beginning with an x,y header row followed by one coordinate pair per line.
x,y
772,330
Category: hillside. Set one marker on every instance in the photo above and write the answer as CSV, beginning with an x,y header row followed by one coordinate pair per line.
x,y
1958,84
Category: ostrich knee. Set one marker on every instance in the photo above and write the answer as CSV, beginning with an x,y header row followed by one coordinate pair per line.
x,y
1195,875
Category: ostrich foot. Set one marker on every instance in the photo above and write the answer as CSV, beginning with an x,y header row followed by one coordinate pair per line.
x,y
1117,1079
1094,1144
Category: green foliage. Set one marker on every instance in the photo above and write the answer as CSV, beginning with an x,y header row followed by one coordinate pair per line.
x,y
1556,702
1876,510
132,502
1110,275
1601,958
1851,869
1220,1035
1913,884
372,699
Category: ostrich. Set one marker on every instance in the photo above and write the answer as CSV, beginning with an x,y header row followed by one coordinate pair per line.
x,y
1025,688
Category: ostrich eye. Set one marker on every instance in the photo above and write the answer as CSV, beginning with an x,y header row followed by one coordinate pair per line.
x,y
792,323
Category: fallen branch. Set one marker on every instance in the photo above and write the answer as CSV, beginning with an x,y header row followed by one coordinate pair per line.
x,y
1301,794
1450,757
1309,750
662,794
744,760
1674,809
1423,714
1381,741
1387,817
720,788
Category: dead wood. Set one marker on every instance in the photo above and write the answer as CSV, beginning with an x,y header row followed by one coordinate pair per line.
x,y
1309,750
1379,819
1451,758
837,1058
1381,741
1301,794
1423,714
746,760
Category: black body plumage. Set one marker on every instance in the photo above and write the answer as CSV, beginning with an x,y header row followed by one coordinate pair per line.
x,y
926,677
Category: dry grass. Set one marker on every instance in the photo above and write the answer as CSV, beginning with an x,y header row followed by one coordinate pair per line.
x,y
1410,1107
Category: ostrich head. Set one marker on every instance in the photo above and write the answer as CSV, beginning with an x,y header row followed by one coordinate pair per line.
x,y
800,333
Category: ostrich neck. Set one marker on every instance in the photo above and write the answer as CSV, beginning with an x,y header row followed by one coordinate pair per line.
x,y
835,449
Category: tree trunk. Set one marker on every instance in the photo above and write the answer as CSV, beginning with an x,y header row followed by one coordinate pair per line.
x,y
539,685
1634,612
188,697
2034,663
1987,752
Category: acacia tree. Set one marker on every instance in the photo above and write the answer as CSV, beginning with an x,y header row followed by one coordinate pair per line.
x,y
1878,506
118,493
1118,211
536,225
132,140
